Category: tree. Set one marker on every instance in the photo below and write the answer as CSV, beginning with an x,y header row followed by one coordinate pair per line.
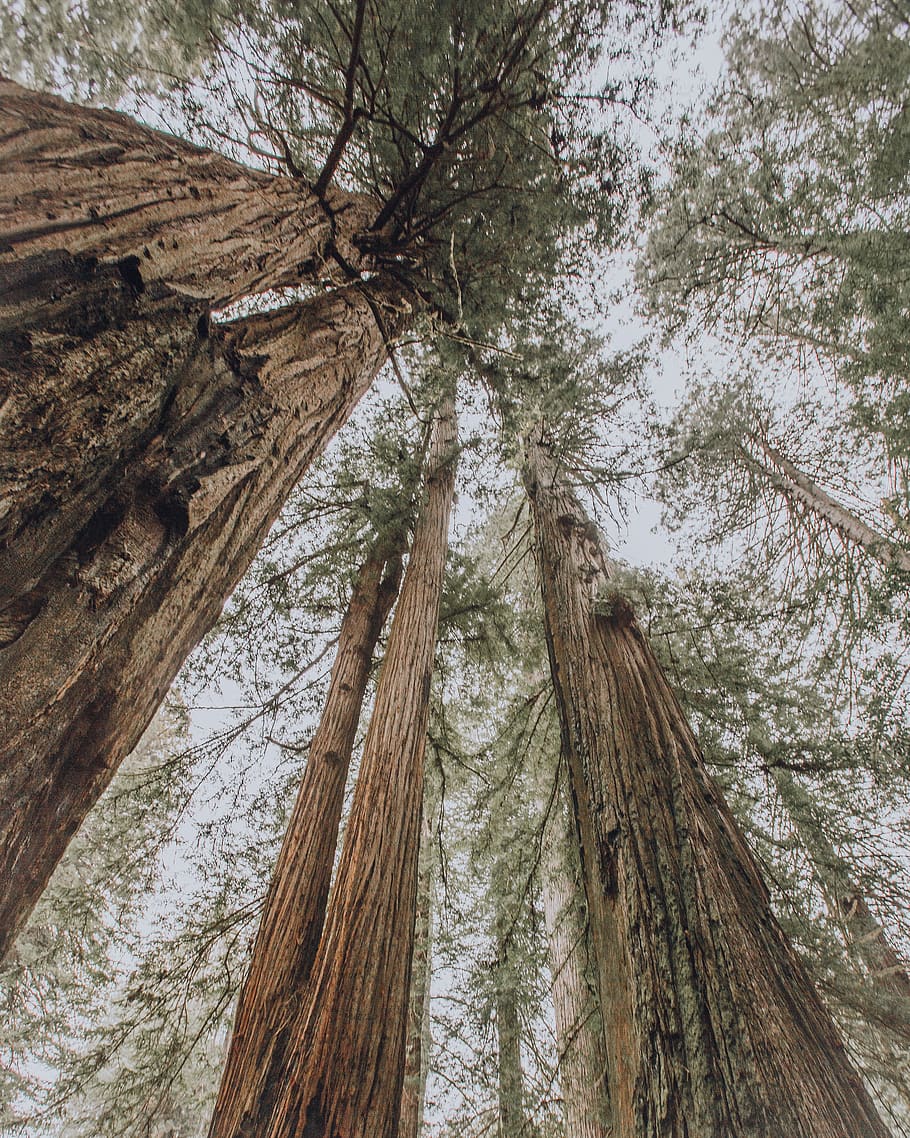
x,y
417,1046
345,1051
738,1042
151,527
292,920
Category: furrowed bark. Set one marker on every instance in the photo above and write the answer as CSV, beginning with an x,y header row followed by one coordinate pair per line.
x,y
579,1034
345,1077
99,185
417,1045
294,910
114,242
712,1027
94,634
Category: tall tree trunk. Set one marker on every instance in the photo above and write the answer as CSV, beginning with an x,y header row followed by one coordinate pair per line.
x,y
887,972
511,1076
712,1027
797,486
95,631
579,1032
294,910
346,1050
417,1040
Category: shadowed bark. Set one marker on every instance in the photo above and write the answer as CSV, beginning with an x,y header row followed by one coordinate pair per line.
x,y
98,620
295,906
417,1046
712,1027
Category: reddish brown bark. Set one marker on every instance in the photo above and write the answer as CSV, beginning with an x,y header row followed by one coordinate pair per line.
x,y
98,621
295,906
712,1027
115,240
416,1057
345,1077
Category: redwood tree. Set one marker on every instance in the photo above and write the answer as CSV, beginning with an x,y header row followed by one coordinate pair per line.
x,y
345,1051
291,924
712,1026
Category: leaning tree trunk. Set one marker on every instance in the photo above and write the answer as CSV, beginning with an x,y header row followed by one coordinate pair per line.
x,y
115,242
417,1040
93,637
579,1032
796,486
294,910
712,1027
346,1050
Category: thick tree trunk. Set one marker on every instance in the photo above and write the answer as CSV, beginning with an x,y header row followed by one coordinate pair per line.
x,y
417,1040
579,1033
98,185
115,240
794,484
346,1051
712,1027
294,910
887,972
95,630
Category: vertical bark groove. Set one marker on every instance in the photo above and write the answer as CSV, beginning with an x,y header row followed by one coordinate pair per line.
x,y
579,1034
294,909
345,1079
712,1026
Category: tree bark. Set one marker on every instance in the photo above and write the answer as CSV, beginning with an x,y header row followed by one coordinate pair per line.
x,y
794,484
97,184
346,1050
511,1076
579,1033
416,1054
712,1027
115,240
294,910
98,621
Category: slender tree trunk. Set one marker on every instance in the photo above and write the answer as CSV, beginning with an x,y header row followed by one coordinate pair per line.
x,y
294,910
887,972
98,621
346,1050
579,1032
712,1027
417,1045
794,484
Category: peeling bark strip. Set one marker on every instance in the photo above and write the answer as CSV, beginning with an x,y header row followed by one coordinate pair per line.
x,y
295,906
346,1054
712,1027
96,183
136,582
582,1057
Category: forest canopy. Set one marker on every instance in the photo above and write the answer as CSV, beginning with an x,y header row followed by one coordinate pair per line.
x,y
454,565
